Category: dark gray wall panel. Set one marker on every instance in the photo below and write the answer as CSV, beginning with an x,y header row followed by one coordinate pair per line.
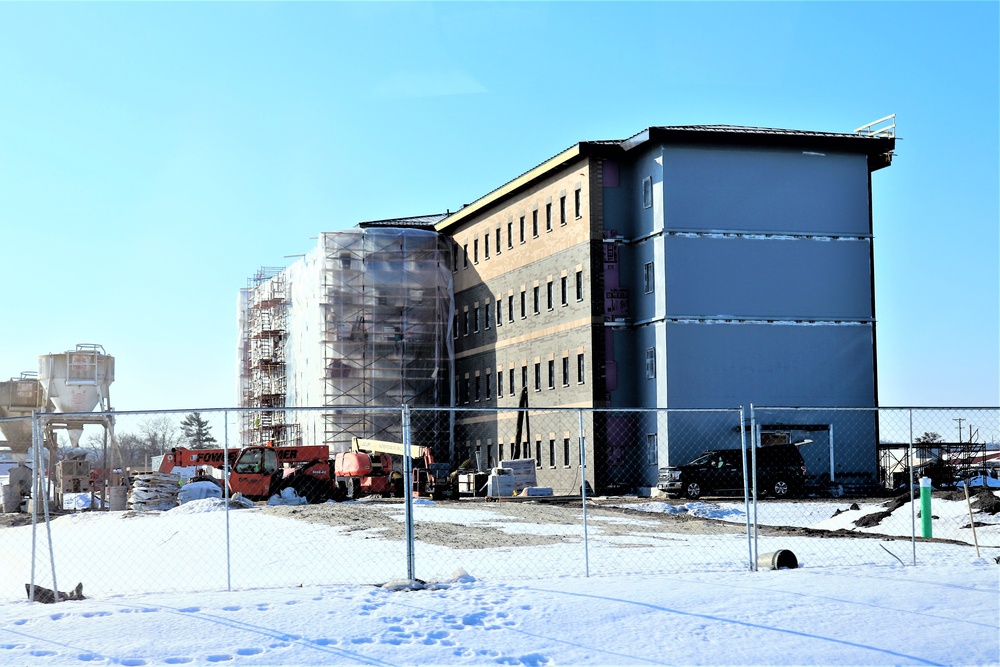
x,y
796,278
725,365
755,190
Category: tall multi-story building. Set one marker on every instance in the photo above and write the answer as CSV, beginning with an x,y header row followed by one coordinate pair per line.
x,y
354,329
683,267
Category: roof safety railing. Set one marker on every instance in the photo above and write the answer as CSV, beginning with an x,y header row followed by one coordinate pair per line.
x,y
883,127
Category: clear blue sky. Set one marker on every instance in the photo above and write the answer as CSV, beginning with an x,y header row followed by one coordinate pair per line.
x,y
153,156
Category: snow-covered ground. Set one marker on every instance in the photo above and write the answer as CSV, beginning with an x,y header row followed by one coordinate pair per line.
x,y
503,605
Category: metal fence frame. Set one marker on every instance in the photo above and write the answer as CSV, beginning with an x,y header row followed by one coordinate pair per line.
x,y
406,413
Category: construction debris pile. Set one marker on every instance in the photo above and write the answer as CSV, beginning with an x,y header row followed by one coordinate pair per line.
x,y
154,491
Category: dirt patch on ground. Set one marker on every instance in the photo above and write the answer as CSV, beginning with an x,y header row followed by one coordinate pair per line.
x,y
496,524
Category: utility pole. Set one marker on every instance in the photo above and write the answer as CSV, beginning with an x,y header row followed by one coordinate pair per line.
x,y
959,420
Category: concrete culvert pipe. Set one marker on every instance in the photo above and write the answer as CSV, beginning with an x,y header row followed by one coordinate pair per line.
x,y
778,560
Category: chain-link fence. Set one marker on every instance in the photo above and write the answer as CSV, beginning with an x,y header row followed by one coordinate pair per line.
x,y
185,500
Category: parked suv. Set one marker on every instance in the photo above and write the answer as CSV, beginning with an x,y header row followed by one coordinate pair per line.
x,y
781,472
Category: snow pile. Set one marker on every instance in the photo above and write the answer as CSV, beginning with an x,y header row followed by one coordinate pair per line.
x,y
287,496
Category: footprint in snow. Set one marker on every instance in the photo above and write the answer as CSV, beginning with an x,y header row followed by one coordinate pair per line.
x,y
189,610
87,657
325,641
249,651
42,653
219,657
92,614
11,647
133,662
232,608
178,660
362,640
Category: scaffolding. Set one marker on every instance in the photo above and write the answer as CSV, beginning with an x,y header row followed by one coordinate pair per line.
x,y
263,378
387,312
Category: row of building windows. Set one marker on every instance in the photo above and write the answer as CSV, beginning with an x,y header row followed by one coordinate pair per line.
x,y
480,387
462,255
554,454
477,318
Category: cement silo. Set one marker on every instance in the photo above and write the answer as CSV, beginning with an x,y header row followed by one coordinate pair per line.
x,y
19,397
77,381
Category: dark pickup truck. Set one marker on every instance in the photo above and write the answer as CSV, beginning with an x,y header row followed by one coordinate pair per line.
x,y
781,472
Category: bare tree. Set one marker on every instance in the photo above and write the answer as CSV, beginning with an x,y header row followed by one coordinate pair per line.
x,y
160,434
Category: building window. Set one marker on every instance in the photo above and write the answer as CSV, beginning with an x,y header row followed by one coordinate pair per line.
x,y
538,377
538,453
565,369
579,285
552,373
510,307
647,192
500,451
487,316
524,305
548,294
548,217
552,452
475,318
651,455
500,383
534,296
578,203
488,384
466,391
499,312
465,325
477,385
650,363
454,327
562,210
465,256
511,386
564,289
498,240
579,368
524,376
648,279
521,235
566,447
510,234
454,258
534,223
475,251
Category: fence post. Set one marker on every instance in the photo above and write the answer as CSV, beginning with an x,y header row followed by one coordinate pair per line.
x,y
408,495
583,494
833,476
913,510
753,472
746,486
225,496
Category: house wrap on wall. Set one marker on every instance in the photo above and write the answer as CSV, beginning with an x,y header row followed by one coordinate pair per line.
x,y
683,267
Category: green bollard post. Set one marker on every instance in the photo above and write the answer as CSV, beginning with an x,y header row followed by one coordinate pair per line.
x,y
925,507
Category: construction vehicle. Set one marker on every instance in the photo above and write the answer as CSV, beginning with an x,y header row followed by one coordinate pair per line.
x,y
430,478
259,472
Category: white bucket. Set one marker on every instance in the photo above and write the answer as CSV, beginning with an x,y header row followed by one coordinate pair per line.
x,y
11,498
116,498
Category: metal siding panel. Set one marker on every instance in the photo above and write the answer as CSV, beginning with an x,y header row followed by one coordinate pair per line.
x,y
794,278
765,190
726,365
